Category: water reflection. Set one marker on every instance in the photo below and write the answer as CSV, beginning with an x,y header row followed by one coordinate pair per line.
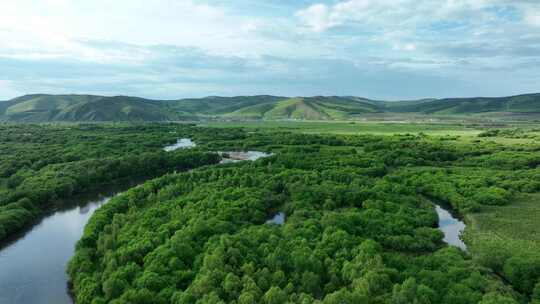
x,y
33,270
182,143
279,218
33,264
451,227
236,156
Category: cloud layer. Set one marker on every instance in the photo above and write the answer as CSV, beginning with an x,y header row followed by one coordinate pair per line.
x,y
169,49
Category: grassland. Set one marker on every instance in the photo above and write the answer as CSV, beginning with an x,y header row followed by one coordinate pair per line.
x,y
496,234
518,221
350,128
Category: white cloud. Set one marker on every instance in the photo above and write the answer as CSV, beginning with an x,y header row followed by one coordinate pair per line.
x,y
405,47
171,47
388,13
54,26
533,18
317,17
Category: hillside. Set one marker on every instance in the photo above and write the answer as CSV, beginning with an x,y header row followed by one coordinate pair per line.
x,y
527,103
320,108
216,105
115,109
47,108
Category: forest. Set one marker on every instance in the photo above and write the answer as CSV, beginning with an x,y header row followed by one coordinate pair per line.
x,y
360,224
43,164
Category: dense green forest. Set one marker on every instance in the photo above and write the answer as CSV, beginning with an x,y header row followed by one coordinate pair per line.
x,y
40,165
77,108
360,225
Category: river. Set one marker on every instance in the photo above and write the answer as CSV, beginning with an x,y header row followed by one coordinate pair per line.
x,y
33,263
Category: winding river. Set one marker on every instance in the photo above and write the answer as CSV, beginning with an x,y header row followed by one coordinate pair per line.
x,y
33,263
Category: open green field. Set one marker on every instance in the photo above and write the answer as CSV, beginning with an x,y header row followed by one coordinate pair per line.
x,y
507,240
520,220
515,225
379,128
465,132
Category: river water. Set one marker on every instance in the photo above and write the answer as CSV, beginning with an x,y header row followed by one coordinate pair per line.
x,y
33,268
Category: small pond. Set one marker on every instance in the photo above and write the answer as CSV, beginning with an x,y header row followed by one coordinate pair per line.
x,y
451,226
236,156
278,218
182,143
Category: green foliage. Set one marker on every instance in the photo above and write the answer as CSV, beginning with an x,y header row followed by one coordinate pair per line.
x,y
359,227
43,164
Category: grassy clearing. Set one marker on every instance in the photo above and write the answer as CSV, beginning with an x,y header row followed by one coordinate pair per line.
x,y
336,127
507,240
518,221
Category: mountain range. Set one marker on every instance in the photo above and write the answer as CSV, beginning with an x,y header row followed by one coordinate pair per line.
x,y
93,108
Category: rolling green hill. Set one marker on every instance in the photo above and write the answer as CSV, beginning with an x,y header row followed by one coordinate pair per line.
x,y
527,103
320,108
215,105
47,108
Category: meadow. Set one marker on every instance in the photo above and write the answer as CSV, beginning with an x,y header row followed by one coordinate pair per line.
x,y
353,128
499,234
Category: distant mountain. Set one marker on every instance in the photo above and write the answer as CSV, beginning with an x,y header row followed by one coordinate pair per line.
x,y
527,103
73,108
45,108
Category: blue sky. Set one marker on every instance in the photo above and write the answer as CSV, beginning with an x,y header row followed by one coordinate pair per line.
x,y
387,49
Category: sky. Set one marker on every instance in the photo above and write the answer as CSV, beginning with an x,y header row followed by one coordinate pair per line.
x,y
165,49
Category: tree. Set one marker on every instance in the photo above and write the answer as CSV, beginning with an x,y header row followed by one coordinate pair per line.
x,y
497,298
275,295
232,285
